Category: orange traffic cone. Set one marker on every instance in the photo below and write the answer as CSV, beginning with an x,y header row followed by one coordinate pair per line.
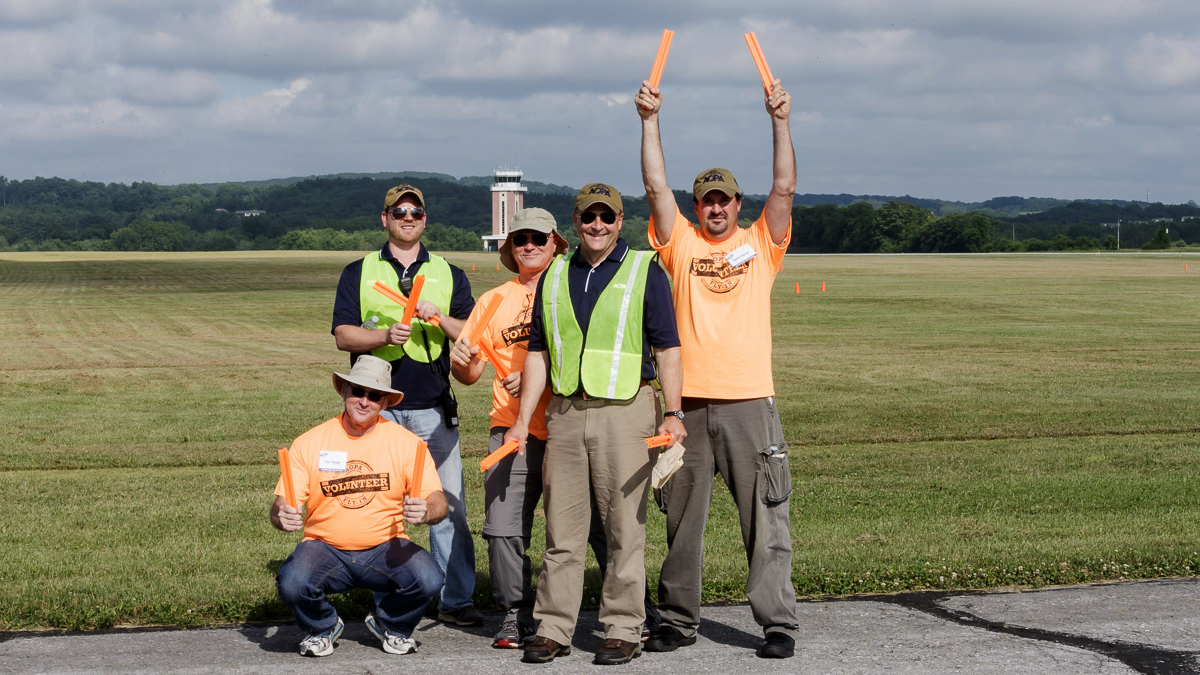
x,y
497,267
822,286
797,286
472,267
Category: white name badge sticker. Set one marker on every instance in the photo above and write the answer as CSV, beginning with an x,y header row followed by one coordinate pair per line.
x,y
740,255
331,460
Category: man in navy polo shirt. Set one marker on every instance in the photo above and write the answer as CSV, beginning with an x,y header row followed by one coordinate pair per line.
x,y
617,303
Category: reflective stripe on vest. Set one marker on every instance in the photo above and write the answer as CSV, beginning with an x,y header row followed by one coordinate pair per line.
x,y
608,360
378,310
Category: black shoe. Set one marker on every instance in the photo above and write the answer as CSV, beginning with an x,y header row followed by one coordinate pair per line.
x,y
615,652
668,639
777,646
466,615
543,650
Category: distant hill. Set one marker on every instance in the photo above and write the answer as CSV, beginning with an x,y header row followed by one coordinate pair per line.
x,y
470,181
66,214
999,207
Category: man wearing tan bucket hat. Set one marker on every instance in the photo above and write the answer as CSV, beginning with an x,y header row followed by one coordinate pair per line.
x,y
722,276
354,477
513,486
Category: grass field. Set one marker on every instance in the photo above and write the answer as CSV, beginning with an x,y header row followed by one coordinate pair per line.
x,y
954,422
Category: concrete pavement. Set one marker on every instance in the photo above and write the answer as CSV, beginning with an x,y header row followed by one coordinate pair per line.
x,y
1108,629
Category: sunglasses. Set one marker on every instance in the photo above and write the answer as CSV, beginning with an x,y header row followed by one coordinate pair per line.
x,y
373,396
588,216
417,213
539,239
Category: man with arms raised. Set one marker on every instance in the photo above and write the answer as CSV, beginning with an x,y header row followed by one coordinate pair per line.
x,y
365,322
355,474
617,302
722,278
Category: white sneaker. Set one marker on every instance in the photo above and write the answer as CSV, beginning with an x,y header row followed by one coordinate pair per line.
x,y
321,645
391,643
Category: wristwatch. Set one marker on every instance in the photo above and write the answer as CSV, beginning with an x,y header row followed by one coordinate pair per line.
x,y
677,414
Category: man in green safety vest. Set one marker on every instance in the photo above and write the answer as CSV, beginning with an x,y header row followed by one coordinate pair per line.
x,y
366,322
603,328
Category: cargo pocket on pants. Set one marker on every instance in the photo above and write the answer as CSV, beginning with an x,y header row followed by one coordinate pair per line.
x,y
777,476
776,473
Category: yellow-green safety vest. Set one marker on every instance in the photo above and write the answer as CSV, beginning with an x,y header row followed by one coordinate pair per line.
x,y
609,358
426,341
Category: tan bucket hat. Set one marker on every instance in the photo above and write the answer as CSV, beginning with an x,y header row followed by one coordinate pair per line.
x,y
535,220
370,372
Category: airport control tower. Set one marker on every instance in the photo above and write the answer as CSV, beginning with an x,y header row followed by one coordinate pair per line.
x,y
508,197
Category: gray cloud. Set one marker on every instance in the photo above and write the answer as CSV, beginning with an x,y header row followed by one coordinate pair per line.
x,y
935,98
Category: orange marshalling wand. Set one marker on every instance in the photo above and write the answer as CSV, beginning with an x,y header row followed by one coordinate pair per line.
x,y
764,71
658,441
418,471
500,453
476,336
399,299
413,296
664,46
485,318
285,471
494,358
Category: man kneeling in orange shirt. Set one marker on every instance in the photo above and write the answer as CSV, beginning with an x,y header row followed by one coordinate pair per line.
x,y
355,474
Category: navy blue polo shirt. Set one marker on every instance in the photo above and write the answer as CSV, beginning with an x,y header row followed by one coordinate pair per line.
x,y
422,383
585,284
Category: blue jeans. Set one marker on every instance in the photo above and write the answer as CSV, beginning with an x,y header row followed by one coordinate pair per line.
x,y
403,575
450,540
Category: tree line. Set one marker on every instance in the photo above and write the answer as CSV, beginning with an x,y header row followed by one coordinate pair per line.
x,y
342,213
902,227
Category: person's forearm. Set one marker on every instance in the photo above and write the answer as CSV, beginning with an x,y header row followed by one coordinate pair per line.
x,y
778,209
436,508
784,169
670,376
274,514
359,340
654,175
533,382
451,326
469,374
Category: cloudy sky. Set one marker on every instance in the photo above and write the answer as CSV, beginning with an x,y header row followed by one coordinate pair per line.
x,y
952,99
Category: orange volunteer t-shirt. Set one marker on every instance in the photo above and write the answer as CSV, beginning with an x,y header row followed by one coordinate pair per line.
x,y
723,312
508,335
355,487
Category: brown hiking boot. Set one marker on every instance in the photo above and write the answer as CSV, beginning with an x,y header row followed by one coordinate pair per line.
x,y
615,652
543,650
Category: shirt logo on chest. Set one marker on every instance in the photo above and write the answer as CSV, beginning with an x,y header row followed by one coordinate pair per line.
x,y
357,486
716,274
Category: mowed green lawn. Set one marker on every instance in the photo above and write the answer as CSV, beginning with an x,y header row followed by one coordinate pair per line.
x,y
954,422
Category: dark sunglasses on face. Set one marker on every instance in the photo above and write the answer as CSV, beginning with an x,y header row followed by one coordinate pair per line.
x,y
588,216
417,213
539,239
373,396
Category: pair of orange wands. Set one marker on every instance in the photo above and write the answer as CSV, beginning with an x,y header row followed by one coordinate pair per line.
x,y
289,488
506,449
664,46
